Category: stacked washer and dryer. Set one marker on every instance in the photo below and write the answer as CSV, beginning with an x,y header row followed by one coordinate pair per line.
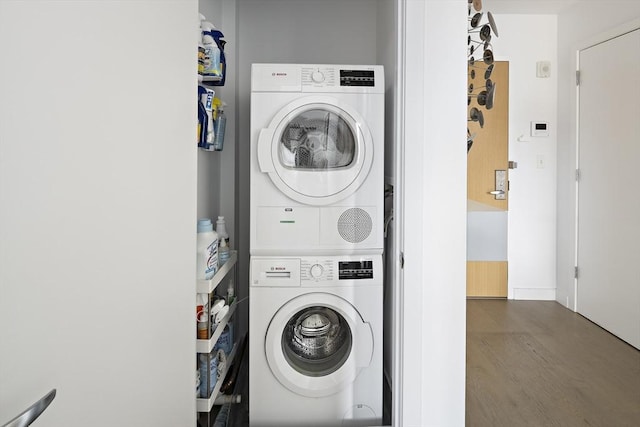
x,y
316,242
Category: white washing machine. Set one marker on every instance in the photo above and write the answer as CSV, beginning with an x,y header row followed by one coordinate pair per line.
x,y
315,341
317,159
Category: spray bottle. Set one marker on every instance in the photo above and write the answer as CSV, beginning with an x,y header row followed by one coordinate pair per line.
x,y
221,229
223,252
219,127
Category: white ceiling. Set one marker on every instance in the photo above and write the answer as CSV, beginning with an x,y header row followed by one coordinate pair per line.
x,y
528,7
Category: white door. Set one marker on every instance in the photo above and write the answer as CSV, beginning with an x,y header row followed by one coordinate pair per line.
x,y
317,343
316,150
608,197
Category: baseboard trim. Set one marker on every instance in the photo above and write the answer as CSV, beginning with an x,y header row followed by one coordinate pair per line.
x,y
548,294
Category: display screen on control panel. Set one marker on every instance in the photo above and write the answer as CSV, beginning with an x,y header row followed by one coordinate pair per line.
x,y
357,78
355,270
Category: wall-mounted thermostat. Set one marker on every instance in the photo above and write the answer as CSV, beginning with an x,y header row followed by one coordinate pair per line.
x,y
539,129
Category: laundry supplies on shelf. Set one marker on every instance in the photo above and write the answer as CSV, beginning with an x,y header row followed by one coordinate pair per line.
x,y
207,250
211,56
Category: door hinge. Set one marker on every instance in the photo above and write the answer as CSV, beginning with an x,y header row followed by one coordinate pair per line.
x,y
577,174
401,260
575,272
577,77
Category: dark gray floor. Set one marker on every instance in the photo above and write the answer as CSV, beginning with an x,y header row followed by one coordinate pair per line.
x,y
536,363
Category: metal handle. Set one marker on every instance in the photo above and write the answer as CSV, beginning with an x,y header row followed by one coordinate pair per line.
x,y
497,192
30,414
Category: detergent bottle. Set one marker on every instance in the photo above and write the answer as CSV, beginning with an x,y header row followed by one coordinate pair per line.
x,y
211,51
207,250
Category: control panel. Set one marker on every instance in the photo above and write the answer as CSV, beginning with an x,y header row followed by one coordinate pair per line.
x,y
328,77
317,78
316,269
320,76
357,78
352,270
331,270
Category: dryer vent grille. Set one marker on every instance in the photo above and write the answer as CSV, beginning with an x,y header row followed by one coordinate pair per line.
x,y
355,225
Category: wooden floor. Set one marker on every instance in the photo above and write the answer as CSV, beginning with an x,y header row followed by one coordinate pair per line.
x,y
535,363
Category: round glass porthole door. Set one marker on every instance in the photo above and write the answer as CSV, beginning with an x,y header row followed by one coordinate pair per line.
x,y
317,343
316,150
317,139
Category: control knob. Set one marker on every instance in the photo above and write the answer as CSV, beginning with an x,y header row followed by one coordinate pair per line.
x,y
316,271
317,76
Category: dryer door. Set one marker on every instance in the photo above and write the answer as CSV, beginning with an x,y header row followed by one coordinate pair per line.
x,y
317,343
316,150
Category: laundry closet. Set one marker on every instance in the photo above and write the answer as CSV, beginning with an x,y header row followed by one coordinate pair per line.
x,y
349,32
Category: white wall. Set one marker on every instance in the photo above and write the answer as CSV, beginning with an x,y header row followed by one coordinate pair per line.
x,y
523,41
97,211
435,210
604,19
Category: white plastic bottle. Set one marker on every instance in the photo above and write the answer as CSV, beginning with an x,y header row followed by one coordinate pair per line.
x,y
221,229
207,250
223,252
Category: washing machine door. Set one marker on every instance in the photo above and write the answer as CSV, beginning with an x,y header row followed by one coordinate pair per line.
x,y
317,343
317,150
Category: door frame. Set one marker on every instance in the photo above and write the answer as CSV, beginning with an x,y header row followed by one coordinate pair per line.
x,y
487,262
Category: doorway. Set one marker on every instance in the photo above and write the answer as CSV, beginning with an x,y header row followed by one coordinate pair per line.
x,y
488,189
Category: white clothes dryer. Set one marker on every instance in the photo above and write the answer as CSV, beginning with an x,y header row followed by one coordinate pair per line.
x,y
315,341
317,159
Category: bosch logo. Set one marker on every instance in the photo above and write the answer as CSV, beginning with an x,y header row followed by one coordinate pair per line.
x,y
279,74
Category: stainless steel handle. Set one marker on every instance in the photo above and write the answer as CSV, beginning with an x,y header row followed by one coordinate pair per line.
x,y
30,414
497,192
